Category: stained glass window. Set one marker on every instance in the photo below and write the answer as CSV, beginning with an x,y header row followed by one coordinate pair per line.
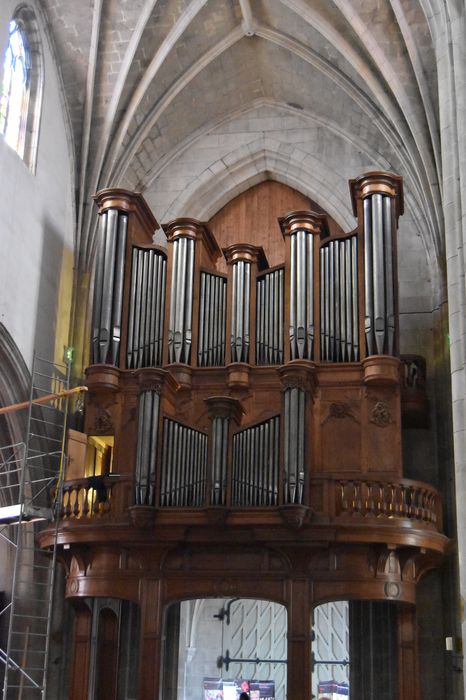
x,y
15,86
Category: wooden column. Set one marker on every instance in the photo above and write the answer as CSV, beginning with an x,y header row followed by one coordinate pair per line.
x,y
79,677
299,638
408,660
151,639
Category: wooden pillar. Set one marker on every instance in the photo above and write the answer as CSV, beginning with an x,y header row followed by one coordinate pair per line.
x,y
151,639
79,679
408,661
299,638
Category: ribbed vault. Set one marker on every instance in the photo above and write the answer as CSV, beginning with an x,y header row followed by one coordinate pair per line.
x,y
151,83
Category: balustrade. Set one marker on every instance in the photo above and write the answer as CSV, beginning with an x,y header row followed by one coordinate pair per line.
x,y
257,482
403,499
87,498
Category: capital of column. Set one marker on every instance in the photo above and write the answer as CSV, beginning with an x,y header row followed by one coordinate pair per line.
x,y
126,201
245,252
310,221
298,374
194,229
224,407
377,182
154,379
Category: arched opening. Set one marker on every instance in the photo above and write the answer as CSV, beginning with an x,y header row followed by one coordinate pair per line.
x,y
359,650
220,647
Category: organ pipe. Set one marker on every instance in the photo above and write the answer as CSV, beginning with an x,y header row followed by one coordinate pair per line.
x,y
294,448
302,229
108,287
269,318
146,308
378,202
298,383
181,300
146,455
184,465
339,328
256,458
244,260
212,320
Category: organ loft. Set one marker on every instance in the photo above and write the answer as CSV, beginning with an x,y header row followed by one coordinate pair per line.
x,y
242,433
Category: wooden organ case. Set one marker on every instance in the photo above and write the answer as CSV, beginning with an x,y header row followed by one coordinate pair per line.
x,y
243,428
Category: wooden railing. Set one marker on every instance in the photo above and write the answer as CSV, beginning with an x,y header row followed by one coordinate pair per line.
x,y
399,499
340,500
87,497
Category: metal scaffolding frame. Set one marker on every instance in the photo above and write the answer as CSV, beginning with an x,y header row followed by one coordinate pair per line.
x,y
30,488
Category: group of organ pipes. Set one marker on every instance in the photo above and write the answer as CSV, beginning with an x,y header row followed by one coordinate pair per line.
x,y
332,302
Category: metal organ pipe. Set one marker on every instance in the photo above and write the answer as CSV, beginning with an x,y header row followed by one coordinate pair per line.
x,y
241,297
146,455
212,320
146,308
301,296
269,318
379,282
339,333
378,202
181,307
256,464
184,465
220,425
294,452
108,287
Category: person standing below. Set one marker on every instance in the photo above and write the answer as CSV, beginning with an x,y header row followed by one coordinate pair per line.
x,y
244,696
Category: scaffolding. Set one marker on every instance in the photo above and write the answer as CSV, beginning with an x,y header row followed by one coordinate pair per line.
x,y
30,488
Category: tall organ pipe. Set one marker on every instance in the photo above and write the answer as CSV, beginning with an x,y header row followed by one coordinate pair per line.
x,y
240,311
378,202
146,308
255,464
219,452
269,318
379,282
184,465
181,303
301,296
212,320
294,447
108,287
339,333
303,229
146,455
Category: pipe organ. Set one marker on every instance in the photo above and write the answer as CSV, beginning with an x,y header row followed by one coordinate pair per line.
x,y
331,303
254,414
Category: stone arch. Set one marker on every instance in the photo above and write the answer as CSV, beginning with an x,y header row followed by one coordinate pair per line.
x,y
14,387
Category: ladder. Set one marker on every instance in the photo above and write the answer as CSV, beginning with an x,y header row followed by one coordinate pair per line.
x,y
30,485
